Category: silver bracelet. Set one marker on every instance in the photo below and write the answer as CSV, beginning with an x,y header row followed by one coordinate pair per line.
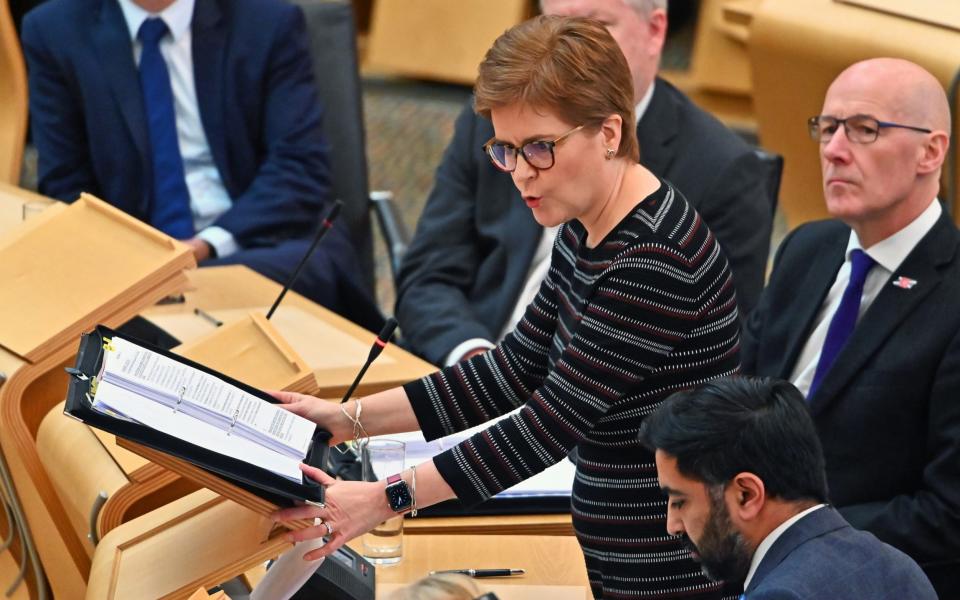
x,y
413,490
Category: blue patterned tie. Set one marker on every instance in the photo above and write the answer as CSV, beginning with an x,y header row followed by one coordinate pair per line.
x,y
170,206
845,319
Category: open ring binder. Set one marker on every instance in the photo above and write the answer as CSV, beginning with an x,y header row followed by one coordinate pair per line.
x,y
262,482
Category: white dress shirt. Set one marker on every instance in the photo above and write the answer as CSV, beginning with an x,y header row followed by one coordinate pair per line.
x,y
539,267
772,537
208,197
889,254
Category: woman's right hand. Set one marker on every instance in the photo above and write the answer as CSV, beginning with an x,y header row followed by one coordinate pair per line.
x,y
325,413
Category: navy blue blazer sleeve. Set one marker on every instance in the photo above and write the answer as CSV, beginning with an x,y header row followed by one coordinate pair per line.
x,y
291,184
444,257
57,123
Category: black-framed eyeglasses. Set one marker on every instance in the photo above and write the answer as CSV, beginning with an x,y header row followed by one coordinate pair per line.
x,y
859,129
538,153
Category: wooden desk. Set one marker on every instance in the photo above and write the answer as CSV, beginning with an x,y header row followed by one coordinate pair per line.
x,y
539,525
554,565
12,199
333,346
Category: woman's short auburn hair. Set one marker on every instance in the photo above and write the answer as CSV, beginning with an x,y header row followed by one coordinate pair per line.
x,y
570,66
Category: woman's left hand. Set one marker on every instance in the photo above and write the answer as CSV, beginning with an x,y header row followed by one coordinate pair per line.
x,y
350,508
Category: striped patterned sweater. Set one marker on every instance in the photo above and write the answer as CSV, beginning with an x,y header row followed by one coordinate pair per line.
x,y
612,331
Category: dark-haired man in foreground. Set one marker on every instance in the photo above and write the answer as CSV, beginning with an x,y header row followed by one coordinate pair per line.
x,y
741,464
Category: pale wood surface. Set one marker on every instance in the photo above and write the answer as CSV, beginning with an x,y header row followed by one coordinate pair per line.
x,y
934,12
200,540
251,350
551,561
12,199
13,98
71,265
796,50
64,271
71,454
332,346
438,39
540,525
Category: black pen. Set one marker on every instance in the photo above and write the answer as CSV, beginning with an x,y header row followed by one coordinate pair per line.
x,y
205,315
483,572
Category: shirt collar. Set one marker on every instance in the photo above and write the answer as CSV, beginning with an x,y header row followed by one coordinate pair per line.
x,y
772,537
177,16
644,103
891,252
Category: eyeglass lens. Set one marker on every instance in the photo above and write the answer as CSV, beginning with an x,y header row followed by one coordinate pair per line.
x,y
858,128
538,154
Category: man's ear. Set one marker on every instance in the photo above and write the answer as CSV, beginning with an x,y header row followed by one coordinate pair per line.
x,y
933,153
746,496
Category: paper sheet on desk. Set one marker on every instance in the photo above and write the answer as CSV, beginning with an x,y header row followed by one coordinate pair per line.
x,y
554,481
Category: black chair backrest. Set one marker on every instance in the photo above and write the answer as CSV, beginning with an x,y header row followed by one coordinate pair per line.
x,y
333,47
773,163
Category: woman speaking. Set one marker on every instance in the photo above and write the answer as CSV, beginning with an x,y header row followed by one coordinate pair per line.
x,y
638,303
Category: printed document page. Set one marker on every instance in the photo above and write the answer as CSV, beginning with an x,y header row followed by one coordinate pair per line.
x,y
205,397
556,480
197,432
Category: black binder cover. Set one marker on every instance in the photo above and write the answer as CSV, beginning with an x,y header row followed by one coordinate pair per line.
x,y
262,482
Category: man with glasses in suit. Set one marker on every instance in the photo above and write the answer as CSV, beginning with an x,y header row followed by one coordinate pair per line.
x,y
861,314
478,257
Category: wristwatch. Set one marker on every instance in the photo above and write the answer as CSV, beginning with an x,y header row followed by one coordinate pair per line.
x,y
398,494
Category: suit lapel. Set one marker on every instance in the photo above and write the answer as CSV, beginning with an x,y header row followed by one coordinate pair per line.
x,y
819,522
888,310
209,38
657,129
811,292
111,40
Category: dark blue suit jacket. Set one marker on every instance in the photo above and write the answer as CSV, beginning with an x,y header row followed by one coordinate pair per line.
x,y
256,94
887,412
822,557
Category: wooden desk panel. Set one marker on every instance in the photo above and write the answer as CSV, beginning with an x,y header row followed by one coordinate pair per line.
x,y
332,346
553,565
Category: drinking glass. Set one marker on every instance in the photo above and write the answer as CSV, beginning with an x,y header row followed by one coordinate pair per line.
x,y
382,458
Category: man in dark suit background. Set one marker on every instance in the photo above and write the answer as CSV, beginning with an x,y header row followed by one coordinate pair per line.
x,y
478,257
861,313
743,471
200,117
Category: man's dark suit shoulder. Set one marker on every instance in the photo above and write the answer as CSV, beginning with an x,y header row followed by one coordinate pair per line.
x,y
822,556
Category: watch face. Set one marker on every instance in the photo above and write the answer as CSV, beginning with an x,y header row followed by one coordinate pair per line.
x,y
398,495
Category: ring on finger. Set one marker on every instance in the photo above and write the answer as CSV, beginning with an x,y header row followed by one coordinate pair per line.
x,y
329,528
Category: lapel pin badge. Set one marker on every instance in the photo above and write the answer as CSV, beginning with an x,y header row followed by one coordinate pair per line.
x,y
904,283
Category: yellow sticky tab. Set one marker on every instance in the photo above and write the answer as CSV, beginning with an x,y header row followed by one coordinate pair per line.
x,y
108,345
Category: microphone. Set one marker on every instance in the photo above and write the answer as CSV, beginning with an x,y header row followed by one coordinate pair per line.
x,y
344,463
325,226
378,345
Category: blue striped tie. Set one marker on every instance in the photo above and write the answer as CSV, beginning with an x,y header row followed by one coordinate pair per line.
x,y
170,205
845,319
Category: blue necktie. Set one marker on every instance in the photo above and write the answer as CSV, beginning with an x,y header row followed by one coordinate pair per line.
x,y
170,207
845,319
